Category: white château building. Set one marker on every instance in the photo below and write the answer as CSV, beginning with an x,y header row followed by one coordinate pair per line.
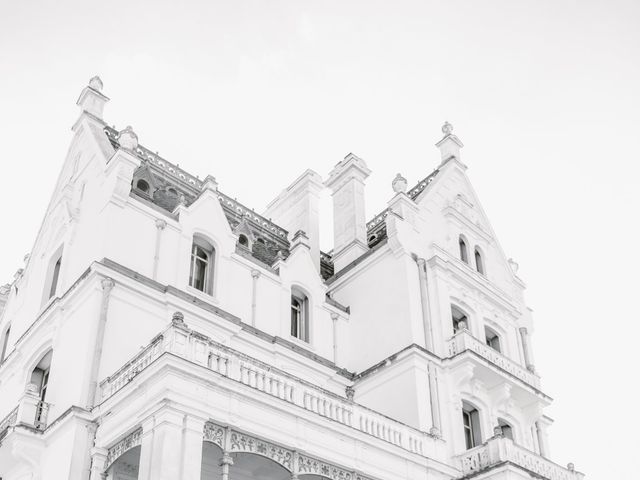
x,y
160,329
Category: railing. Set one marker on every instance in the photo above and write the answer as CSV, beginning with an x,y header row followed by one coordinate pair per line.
x,y
7,422
181,341
499,450
42,411
463,340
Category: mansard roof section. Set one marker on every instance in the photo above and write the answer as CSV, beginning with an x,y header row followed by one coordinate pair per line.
x,y
173,186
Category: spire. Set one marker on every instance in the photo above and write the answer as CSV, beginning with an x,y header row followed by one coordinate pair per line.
x,y
91,99
449,145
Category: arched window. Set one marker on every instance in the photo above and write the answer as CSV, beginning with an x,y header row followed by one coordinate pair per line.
x,y
243,240
299,315
201,271
5,343
53,276
464,254
459,319
143,186
479,261
492,339
471,425
507,429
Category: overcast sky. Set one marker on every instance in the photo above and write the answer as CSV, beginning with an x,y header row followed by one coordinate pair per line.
x,y
544,94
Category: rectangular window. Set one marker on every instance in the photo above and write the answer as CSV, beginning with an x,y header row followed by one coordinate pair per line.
x,y
199,274
471,427
55,276
299,318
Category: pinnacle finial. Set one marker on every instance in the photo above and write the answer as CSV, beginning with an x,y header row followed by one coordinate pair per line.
x,y
447,128
96,83
128,138
399,184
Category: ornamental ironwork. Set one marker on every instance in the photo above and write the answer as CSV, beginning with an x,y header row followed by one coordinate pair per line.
x,y
214,433
309,465
127,443
246,444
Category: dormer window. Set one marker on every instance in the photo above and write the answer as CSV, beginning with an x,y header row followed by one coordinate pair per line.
x,y
201,271
464,254
142,185
299,315
479,261
243,240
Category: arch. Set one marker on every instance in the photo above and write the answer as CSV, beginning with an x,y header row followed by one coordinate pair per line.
x,y
126,466
300,314
246,444
34,359
211,458
459,319
142,185
244,240
202,261
479,259
507,428
463,249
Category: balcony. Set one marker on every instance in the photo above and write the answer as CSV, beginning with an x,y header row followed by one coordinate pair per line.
x,y
499,451
181,341
464,341
30,412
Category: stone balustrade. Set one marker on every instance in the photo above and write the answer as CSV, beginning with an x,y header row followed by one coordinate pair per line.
x,y
7,422
463,340
30,412
181,341
500,449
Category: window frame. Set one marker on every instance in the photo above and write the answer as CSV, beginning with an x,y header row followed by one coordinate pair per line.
x,y
472,431
463,249
299,323
5,343
479,261
202,244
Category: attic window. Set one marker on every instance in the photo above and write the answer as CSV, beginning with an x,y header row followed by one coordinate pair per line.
x,y
173,191
142,186
243,240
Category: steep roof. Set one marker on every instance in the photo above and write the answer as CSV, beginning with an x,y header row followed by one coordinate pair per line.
x,y
169,185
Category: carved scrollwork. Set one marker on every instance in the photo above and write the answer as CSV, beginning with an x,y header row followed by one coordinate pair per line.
x,y
127,443
309,465
214,433
246,444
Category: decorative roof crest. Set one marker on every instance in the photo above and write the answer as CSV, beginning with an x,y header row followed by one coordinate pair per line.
x,y
96,83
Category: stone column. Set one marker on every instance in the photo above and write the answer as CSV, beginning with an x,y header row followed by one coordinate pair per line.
x,y
541,432
98,464
424,296
255,274
171,447
160,226
107,286
526,349
434,399
334,319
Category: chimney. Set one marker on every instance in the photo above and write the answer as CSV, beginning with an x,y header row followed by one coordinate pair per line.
x,y
91,100
450,145
296,209
346,182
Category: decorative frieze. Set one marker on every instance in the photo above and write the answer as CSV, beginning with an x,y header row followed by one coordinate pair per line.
x,y
313,466
244,443
127,443
214,433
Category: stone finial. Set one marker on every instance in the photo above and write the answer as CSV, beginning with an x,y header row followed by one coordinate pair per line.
x,y
449,145
514,265
399,184
177,318
210,183
96,83
571,467
128,138
462,325
350,392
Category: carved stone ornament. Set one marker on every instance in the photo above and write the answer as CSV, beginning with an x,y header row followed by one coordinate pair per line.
x,y
447,128
317,467
399,184
214,433
514,265
245,443
96,83
127,443
128,138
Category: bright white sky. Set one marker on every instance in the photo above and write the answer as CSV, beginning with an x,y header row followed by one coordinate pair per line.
x,y
543,93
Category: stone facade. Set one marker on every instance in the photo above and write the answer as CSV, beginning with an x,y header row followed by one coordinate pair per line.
x,y
161,329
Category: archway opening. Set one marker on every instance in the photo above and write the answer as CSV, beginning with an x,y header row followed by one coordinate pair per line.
x,y
126,466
